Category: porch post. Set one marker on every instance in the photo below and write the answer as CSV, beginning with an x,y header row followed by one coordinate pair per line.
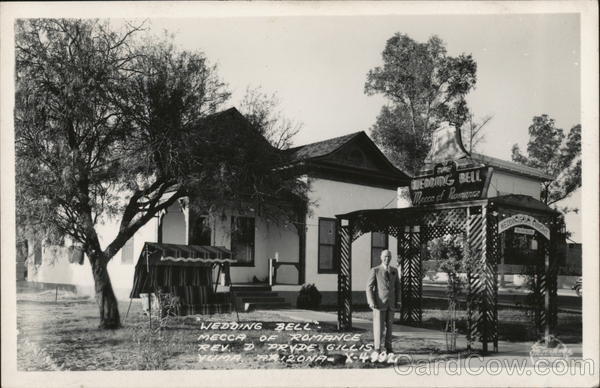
x,y
301,229
301,253
343,243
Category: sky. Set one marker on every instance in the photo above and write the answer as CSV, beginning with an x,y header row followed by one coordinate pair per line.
x,y
527,65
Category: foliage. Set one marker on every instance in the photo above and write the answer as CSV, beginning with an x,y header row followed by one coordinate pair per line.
x,y
554,153
108,125
450,253
472,131
309,297
262,111
100,122
453,257
430,268
424,87
154,343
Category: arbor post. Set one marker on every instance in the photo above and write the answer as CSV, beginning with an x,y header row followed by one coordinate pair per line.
x,y
344,269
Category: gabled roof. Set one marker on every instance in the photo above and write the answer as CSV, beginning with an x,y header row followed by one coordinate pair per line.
x,y
515,168
320,148
522,201
231,123
324,157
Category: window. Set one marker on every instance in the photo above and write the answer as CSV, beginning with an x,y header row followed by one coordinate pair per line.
x,y
201,232
327,257
127,252
379,243
242,240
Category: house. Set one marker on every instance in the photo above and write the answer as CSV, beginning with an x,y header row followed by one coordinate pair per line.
x,y
344,173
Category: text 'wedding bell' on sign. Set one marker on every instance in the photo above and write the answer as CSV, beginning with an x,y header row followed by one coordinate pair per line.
x,y
447,184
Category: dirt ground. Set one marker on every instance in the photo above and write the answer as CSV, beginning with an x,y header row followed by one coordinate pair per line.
x,y
59,332
63,335
514,325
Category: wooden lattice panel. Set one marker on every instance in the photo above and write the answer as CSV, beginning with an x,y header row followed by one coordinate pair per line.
x,y
443,222
476,240
491,290
344,247
413,228
409,251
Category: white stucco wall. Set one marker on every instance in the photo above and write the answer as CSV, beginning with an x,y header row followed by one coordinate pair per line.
x,y
333,198
268,239
56,268
175,224
503,183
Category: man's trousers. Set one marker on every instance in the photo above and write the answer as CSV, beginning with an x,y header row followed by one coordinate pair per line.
x,y
383,324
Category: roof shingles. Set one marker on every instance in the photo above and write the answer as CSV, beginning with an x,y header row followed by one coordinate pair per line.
x,y
511,166
321,148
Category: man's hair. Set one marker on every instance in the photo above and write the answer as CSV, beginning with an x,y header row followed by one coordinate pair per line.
x,y
386,252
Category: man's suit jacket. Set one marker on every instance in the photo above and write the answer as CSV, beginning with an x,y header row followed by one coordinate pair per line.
x,y
383,293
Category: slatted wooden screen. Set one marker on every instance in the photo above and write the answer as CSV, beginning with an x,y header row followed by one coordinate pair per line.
x,y
413,229
344,257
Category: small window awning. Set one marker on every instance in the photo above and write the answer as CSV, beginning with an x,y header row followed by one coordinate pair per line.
x,y
160,254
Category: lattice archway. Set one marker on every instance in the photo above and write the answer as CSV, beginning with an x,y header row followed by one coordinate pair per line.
x,y
413,227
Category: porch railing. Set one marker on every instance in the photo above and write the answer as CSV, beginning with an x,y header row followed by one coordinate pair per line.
x,y
275,264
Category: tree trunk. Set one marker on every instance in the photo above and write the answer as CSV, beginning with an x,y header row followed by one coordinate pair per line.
x,y
105,297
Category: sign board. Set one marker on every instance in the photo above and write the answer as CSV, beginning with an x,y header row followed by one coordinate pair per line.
x,y
530,232
447,184
523,219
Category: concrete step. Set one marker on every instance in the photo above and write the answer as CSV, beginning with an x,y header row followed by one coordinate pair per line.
x,y
268,306
261,299
251,287
241,294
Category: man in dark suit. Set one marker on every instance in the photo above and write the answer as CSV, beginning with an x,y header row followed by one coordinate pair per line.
x,y
383,295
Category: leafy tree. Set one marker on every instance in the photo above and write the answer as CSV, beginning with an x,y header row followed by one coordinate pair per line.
x,y
262,111
107,126
554,153
424,87
472,132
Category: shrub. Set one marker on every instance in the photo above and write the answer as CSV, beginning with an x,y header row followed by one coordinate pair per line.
x,y
309,297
